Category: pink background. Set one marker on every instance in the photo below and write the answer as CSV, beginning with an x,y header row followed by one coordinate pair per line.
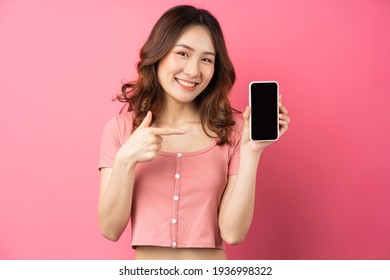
x,y
323,188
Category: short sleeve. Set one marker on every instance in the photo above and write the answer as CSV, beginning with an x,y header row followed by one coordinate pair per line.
x,y
234,161
110,143
115,133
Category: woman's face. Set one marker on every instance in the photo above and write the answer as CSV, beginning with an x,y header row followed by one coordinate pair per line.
x,y
188,67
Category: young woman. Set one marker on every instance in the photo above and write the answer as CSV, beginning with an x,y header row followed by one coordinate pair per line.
x,y
178,164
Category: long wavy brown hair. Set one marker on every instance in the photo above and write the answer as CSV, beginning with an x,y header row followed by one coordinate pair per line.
x,y
146,94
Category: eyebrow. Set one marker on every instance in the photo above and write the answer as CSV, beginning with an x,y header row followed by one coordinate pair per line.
x,y
191,49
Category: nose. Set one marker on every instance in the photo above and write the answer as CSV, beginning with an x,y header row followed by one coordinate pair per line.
x,y
192,68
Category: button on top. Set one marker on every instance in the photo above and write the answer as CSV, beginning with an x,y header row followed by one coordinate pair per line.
x,y
174,221
176,198
177,175
179,154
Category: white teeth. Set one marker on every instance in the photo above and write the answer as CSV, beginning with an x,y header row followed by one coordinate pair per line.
x,y
185,83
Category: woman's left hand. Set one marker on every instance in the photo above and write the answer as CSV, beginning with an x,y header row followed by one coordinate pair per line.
x,y
257,147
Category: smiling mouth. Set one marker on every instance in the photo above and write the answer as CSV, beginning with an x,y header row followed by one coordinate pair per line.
x,y
186,83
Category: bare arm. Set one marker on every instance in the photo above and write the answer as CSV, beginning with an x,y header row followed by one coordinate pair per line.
x,y
116,193
237,205
116,183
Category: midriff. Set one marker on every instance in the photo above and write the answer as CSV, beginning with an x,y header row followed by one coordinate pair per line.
x,y
165,253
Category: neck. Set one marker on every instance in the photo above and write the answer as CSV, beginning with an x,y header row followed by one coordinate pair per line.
x,y
176,114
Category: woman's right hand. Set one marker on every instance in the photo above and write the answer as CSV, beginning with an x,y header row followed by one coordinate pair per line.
x,y
145,142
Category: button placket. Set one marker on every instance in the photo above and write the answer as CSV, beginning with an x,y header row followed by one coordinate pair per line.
x,y
175,200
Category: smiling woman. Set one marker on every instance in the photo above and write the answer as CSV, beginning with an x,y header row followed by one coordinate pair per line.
x,y
178,164
188,68
169,35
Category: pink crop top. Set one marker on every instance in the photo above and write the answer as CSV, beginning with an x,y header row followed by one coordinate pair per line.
x,y
176,196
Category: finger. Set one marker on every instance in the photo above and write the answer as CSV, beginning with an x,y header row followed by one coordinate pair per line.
x,y
146,121
284,118
167,131
283,126
152,139
155,148
282,109
159,139
283,123
246,116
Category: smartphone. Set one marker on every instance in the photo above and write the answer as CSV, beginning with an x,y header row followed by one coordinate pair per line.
x,y
264,104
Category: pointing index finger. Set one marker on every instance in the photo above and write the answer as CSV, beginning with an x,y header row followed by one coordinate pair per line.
x,y
167,131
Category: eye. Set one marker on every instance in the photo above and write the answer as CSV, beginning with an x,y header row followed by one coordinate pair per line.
x,y
183,54
208,60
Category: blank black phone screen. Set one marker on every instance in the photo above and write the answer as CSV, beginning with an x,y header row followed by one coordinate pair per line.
x,y
264,111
